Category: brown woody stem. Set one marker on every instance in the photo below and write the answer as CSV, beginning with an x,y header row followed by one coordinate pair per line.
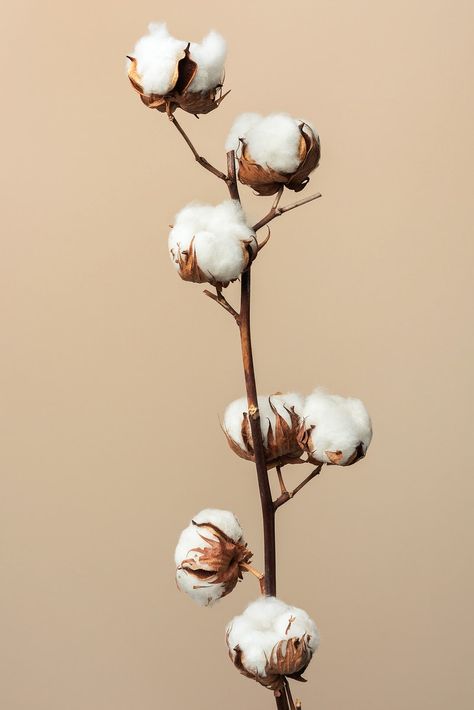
x,y
287,495
222,301
283,488
277,211
266,500
231,178
288,694
202,161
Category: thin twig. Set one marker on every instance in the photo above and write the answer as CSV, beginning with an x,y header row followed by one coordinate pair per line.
x,y
277,211
222,301
231,178
288,694
286,496
259,575
265,241
283,488
277,199
202,161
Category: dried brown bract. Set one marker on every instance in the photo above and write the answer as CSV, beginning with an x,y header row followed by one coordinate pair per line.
x,y
281,442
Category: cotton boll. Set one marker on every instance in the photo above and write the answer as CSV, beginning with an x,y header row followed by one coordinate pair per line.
x,y
157,55
338,428
169,73
280,420
274,142
211,243
270,640
210,556
277,151
210,57
239,129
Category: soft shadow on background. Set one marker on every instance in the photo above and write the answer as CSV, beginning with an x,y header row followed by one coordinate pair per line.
x,y
114,373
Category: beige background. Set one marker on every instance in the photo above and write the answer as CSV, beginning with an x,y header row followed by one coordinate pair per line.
x,y
114,373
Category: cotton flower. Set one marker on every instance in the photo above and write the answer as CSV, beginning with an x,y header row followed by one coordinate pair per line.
x,y
273,151
210,556
211,244
280,423
335,430
169,73
271,640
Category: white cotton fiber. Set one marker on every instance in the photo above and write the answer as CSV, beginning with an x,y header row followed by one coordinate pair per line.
x,y
239,129
273,141
157,54
220,235
264,624
222,519
210,57
340,424
233,416
200,591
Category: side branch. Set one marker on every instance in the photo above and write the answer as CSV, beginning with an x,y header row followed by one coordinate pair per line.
x,y
276,211
288,495
231,178
222,301
202,161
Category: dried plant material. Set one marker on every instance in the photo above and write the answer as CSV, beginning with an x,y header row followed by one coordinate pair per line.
x,y
211,556
210,244
274,151
280,423
169,73
271,640
335,430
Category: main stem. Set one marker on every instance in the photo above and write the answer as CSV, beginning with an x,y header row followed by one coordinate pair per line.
x,y
268,510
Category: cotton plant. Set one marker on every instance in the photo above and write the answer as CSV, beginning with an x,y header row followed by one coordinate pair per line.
x,y
271,642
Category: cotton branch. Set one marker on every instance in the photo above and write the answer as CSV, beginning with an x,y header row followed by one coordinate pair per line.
x,y
277,211
259,575
287,495
222,301
202,161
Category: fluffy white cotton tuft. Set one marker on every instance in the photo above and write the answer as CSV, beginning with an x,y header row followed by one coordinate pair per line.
x,y
265,623
340,424
220,236
210,57
234,414
157,54
239,128
192,566
273,141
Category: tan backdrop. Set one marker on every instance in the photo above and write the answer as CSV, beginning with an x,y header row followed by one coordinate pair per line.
x,y
114,373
